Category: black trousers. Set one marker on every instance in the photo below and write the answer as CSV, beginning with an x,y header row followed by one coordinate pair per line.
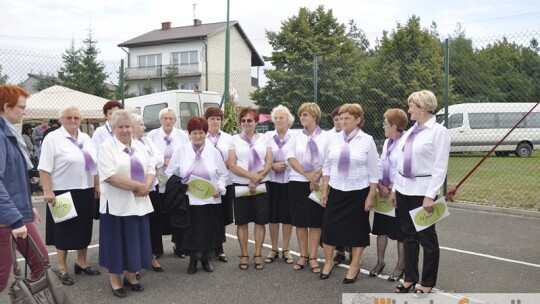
x,y
157,221
426,238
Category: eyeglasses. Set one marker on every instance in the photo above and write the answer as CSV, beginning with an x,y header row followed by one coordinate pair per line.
x,y
248,120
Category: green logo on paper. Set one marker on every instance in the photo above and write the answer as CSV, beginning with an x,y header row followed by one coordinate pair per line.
x,y
248,193
424,218
201,189
383,204
62,206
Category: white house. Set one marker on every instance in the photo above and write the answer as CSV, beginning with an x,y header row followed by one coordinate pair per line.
x,y
196,55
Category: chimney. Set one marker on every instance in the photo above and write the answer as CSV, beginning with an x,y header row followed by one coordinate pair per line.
x,y
165,25
197,22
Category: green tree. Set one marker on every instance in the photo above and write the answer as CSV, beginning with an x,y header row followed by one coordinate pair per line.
x,y
72,69
147,88
127,89
301,38
3,78
170,82
93,74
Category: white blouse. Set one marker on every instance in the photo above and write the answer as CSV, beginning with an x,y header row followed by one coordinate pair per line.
x,y
243,154
392,160
286,147
298,149
155,154
363,169
65,161
184,156
223,147
101,134
430,153
113,160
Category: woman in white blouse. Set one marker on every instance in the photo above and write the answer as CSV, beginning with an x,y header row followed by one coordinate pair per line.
x,y
387,227
201,161
126,173
422,165
278,186
306,157
350,177
166,138
154,217
68,164
220,140
250,161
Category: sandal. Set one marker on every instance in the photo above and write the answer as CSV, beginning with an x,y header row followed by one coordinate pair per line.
x,y
316,269
270,258
287,256
258,266
243,266
300,266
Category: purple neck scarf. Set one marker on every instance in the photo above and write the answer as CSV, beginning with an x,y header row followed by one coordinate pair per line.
x,y
197,167
386,161
137,170
407,150
280,156
311,154
255,163
89,164
168,148
345,155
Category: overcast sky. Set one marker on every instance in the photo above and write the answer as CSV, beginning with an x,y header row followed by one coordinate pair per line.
x,y
48,26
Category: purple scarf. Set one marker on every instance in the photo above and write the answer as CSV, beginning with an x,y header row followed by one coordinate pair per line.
x,y
280,156
345,155
311,155
89,164
255,163
137,170
197,167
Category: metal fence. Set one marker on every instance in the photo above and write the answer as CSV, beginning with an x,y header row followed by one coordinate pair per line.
x,y
459,70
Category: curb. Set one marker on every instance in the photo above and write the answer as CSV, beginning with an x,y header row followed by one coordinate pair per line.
x,y
493,209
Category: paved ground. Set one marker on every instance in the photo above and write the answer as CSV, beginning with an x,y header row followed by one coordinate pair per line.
x,y
482,252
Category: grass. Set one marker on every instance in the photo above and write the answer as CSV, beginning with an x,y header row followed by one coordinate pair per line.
x,y
510,182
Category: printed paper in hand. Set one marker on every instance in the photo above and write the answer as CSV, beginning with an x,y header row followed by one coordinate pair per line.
x,y
244,190
384,206
63,208
423,219
316,196
200,188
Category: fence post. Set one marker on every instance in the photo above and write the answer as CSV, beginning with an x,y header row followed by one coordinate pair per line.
x,y
121,82
315,68
446,94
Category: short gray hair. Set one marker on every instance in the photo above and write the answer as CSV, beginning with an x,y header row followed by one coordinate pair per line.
x,y
137,119
62,113
425,100
166,110
121,114
283,108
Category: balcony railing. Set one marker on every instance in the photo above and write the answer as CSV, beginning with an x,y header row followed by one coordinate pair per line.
x,y
161,70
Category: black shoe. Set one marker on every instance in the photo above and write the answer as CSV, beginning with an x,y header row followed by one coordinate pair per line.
x,y
402,289
158,255
375,272
192,268
350,281
339,258
65,279
207,266
120,292
134,287
157,269
88,270
324,276
222,258
392,278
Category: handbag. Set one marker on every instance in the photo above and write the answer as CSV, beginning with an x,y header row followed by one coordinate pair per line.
x,y
46,289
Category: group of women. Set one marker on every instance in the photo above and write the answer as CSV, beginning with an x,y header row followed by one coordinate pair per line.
x,y
323,183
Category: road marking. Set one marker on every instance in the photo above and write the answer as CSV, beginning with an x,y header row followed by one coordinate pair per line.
x,y
490,256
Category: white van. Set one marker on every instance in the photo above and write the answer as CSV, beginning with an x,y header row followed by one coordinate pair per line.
x,y
478,127
187,103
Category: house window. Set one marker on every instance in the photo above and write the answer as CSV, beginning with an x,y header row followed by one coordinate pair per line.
x,y
189,85
149,88
149,60
185,58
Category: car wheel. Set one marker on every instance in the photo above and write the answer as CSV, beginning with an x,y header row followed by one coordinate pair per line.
x,y
524,150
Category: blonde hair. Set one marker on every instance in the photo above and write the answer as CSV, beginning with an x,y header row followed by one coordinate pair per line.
x,y
425,100
355,110
312,109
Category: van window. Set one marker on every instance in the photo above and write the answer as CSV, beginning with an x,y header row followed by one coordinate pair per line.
x,y
455,121
509,120
207,105
533,120
186,111
151,116
482,120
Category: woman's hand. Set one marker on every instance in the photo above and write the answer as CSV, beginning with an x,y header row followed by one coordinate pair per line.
x,y
141,190
279,166
252,188
256,178
217,193
37,217
393,199
324,199
428,204
97,191
48,196
313,177
370,202
383,190
20,232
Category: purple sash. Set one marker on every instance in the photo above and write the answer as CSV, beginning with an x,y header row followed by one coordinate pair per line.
x,y
89,163
345,155
255,163
168,149
407,150
280,156
311,155
197,167
386,161
137,170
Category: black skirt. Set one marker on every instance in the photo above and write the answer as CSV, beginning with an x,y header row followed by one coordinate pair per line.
x,y
387,225
305,213
75,233
206,229
345,221
227,206
278,195
251,209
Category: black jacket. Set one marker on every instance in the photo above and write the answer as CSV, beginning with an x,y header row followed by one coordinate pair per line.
x,y
175,202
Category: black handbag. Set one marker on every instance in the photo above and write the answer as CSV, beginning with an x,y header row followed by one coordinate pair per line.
x,y
46,289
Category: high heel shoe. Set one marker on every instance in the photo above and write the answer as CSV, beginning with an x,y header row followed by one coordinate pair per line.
x,y
287,257
392,278
119,293
258,266
402,289
133,286
419,293
324,276
243,266
315,269
300,266
88,270
350,281
375,273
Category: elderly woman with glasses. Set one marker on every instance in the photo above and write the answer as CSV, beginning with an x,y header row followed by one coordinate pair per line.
x,y
250,161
